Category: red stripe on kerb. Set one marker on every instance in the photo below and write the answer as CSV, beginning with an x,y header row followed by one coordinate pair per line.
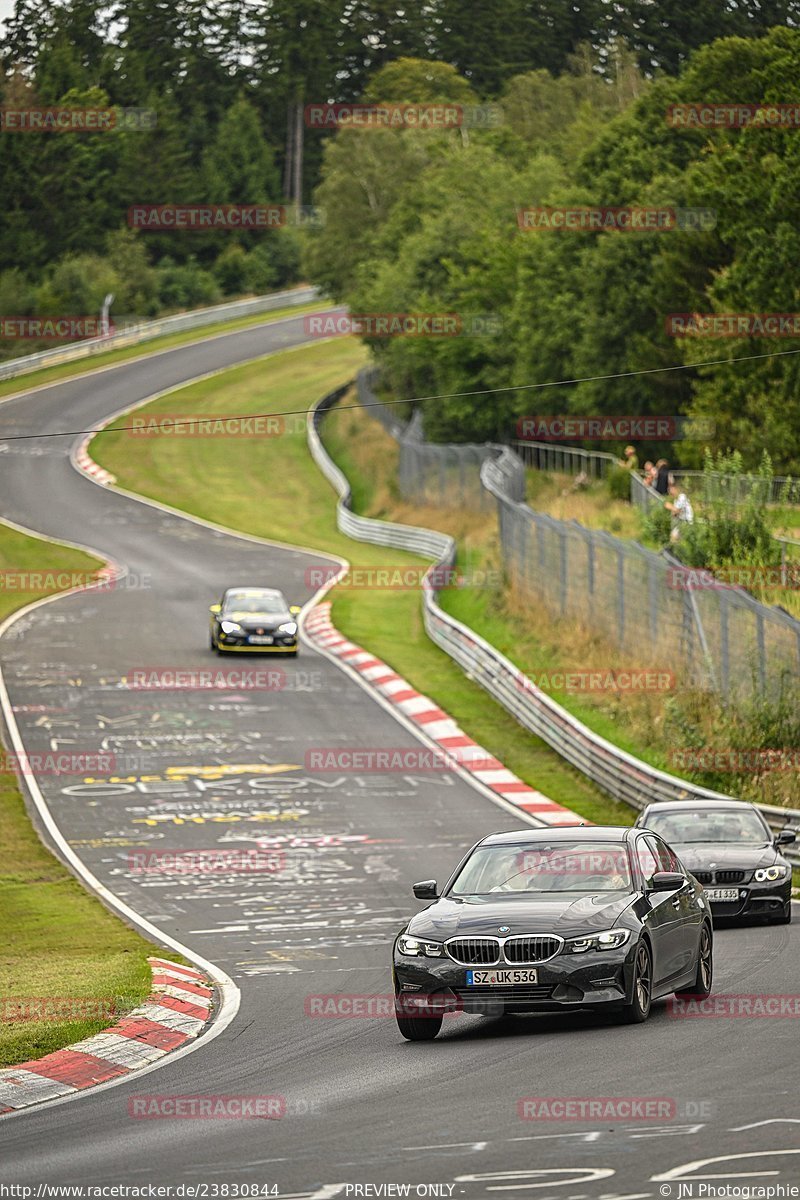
x,y
75,1068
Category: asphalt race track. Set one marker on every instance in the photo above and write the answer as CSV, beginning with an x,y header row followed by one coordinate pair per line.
x,y
204,770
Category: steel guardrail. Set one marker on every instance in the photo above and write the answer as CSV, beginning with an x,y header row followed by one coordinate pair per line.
x,y
619,774
131,336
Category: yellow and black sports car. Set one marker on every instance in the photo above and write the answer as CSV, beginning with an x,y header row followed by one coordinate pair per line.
x,y
254,619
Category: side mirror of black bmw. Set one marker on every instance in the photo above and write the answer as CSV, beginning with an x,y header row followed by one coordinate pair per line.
x,y
667,881
786,837
426,890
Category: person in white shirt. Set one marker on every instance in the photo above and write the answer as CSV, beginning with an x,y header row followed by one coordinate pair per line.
x,y
681,509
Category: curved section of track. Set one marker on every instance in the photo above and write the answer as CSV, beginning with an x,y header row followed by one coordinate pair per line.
x,y
200,770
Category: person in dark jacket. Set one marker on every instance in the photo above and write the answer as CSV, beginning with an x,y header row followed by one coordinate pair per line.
x,y
661,483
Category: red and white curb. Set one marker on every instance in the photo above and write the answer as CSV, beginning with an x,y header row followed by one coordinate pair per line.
x,y
434,722
86,463
176,1011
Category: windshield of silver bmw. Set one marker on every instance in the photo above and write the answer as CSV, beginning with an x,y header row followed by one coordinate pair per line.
x,y
545,867
706,825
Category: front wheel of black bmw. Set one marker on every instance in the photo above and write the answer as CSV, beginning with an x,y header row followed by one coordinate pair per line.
x,y
705,968
638,1009
416,1029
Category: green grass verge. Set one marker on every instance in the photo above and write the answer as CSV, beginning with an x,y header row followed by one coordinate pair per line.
x,y
109,358
271,487
58,943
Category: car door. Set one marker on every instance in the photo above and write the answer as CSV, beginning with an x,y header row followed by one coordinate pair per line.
x,y
662,917
687,934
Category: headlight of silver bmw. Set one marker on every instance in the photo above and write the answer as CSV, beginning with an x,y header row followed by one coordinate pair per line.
x,y
609,939
417,947
770,874
231,627
288,627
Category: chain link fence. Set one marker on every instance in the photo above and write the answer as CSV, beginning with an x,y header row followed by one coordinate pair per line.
x,y
719,636
446,476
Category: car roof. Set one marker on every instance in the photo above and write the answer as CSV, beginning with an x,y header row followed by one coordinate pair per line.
x,y
561,833
249,587
695,805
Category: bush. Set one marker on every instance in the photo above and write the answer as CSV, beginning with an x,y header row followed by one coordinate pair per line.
x,y
17,297
734,529
232,271
618,481
186,285
137,295
657,525
77,285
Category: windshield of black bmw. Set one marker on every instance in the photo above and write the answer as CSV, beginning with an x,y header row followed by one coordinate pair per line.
x,y
545,867
720,825
255,602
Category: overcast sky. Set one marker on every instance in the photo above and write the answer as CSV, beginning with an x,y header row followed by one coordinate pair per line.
x,y
6,9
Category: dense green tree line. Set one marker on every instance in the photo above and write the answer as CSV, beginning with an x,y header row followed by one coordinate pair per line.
x,y
423,221
228,81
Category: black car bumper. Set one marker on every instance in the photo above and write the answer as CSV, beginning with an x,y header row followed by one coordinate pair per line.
x,y
596,979
755,900
283,644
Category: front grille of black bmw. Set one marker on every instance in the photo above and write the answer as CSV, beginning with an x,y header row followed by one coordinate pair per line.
x,y
480,951
534,949
521,950
729,876
708,877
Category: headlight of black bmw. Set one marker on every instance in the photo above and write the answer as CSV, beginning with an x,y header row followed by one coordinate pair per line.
x,y
608,939
770,874
418,948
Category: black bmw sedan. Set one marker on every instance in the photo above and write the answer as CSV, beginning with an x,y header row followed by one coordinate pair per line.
x,y
729,848
550,920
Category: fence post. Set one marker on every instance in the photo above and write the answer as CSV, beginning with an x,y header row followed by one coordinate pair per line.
x,y
652,592
762,656
563,570
724,649
621,596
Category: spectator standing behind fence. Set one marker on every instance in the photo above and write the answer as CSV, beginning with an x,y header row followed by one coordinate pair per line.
x,y
681,510
661,482
631,461
649,473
